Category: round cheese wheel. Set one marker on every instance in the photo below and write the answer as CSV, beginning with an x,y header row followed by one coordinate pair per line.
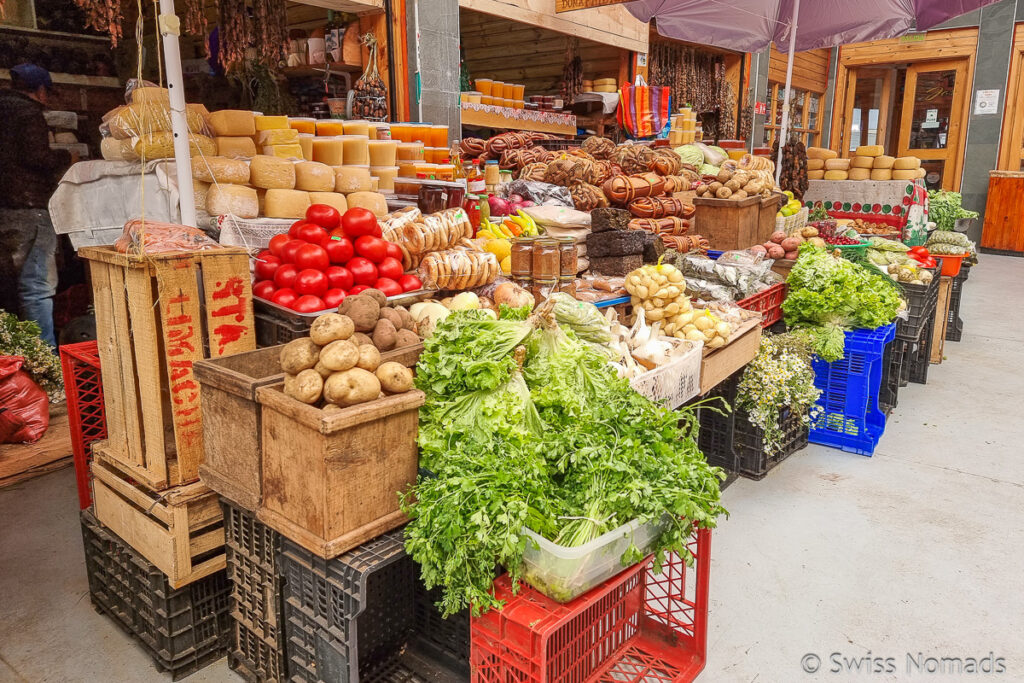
x,y
870,151
836,175
921,173
881,174
904,175
815,175
859,173
815,164
374,201
821,153
906,163
837,164
861,162
884,162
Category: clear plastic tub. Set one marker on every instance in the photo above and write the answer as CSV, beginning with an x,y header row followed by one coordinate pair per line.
x,y
564,573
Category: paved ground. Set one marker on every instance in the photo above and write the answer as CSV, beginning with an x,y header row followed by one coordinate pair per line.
x,y
916,551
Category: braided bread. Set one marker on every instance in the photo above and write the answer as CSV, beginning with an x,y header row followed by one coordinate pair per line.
x,y
633,159
686,243
670,225
598,147
534,171
472,147
622,189
657,207
665,162
586,197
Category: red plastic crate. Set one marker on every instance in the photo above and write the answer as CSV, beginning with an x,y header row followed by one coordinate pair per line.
x,y
637,627
768,303
83,384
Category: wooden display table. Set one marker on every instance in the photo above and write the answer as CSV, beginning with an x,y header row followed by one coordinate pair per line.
x,y
1004,212
717,365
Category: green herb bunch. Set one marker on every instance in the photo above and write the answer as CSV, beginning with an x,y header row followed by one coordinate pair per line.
x,y
945,208
21,338
779,378
526,426
829,295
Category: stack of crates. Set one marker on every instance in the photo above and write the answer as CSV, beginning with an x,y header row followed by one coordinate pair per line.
x,y
639,626
183,629
257,649
955,324
80,365
847,414
364,616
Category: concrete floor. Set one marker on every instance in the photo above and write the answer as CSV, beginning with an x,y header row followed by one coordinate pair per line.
x,y
916,550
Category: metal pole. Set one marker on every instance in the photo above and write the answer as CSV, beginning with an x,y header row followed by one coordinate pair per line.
x,y
784,128
169,30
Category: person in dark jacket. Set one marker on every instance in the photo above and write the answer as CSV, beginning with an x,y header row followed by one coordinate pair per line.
x,y
29,173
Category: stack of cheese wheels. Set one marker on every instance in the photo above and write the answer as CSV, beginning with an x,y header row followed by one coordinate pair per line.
x,y
816,159
837,169
907,168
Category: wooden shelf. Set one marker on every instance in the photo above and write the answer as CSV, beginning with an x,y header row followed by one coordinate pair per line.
x,y
360,7
472,117
76,79
317,70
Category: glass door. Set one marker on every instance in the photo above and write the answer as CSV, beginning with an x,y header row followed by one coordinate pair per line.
x,y
1011,155
868,98
931,123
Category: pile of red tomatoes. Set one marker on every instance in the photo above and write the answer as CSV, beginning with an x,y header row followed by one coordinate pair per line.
x,y
326,257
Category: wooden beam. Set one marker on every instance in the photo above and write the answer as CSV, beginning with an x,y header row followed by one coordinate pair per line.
x,y
609,25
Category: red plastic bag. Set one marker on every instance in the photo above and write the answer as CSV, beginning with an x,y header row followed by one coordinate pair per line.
x,y
24,408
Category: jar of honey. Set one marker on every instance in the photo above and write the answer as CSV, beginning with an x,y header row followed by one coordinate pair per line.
x,y
545,259
567,262
522,257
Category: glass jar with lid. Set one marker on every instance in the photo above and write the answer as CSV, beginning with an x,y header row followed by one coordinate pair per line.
x,y
545,259
522,257
567,261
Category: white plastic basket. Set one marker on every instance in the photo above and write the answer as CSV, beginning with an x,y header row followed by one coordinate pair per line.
x,y
790,224
675,382
564,573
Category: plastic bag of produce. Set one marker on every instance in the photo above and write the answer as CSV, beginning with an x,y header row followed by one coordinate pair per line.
x,y
24,410
150,237
583,318
691,154
541,193
558,216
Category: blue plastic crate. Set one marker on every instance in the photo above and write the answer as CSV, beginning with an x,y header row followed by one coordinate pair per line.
x,y
714,254
847,415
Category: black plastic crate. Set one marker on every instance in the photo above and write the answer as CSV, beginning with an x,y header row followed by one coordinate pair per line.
x,y
893,361
257,595
446,640
730,441
357,618
183,629
921,302
955,324
272,330
919,358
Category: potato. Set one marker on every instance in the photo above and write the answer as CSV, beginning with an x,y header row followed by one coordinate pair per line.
x,y
369,357
724,175
695,335
351,387
723,192
407,322
791,255
394,316
330,408
739,194
331,327
778,236
716,343
817,241
715,187
759,249
299,354
340,355
360,338
385,335
380,297
776,252
322,370
791,243
733,185
394,377
363,310
305,386
703,322
809,231
406,338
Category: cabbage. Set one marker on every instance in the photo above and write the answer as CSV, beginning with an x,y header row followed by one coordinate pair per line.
x,y
691,154
708,169
718,152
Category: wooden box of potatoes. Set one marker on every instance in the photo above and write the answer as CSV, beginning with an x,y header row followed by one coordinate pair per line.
x,y
331,475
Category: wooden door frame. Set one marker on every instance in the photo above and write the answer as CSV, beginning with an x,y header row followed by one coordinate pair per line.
x,y
961,43
959,66
884,111
1012,142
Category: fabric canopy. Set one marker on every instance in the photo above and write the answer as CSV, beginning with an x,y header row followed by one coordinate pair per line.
x,y
752,25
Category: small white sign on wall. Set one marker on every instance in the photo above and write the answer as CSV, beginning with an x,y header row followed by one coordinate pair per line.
x,y
986,102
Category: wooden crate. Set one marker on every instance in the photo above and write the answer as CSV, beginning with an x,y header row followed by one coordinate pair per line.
x,y
718,364
156,316
1003,230
180,530
727,223
331,480
941,319
232,419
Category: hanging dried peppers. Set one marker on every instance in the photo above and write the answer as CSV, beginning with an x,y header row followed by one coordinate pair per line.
x,y
103,16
